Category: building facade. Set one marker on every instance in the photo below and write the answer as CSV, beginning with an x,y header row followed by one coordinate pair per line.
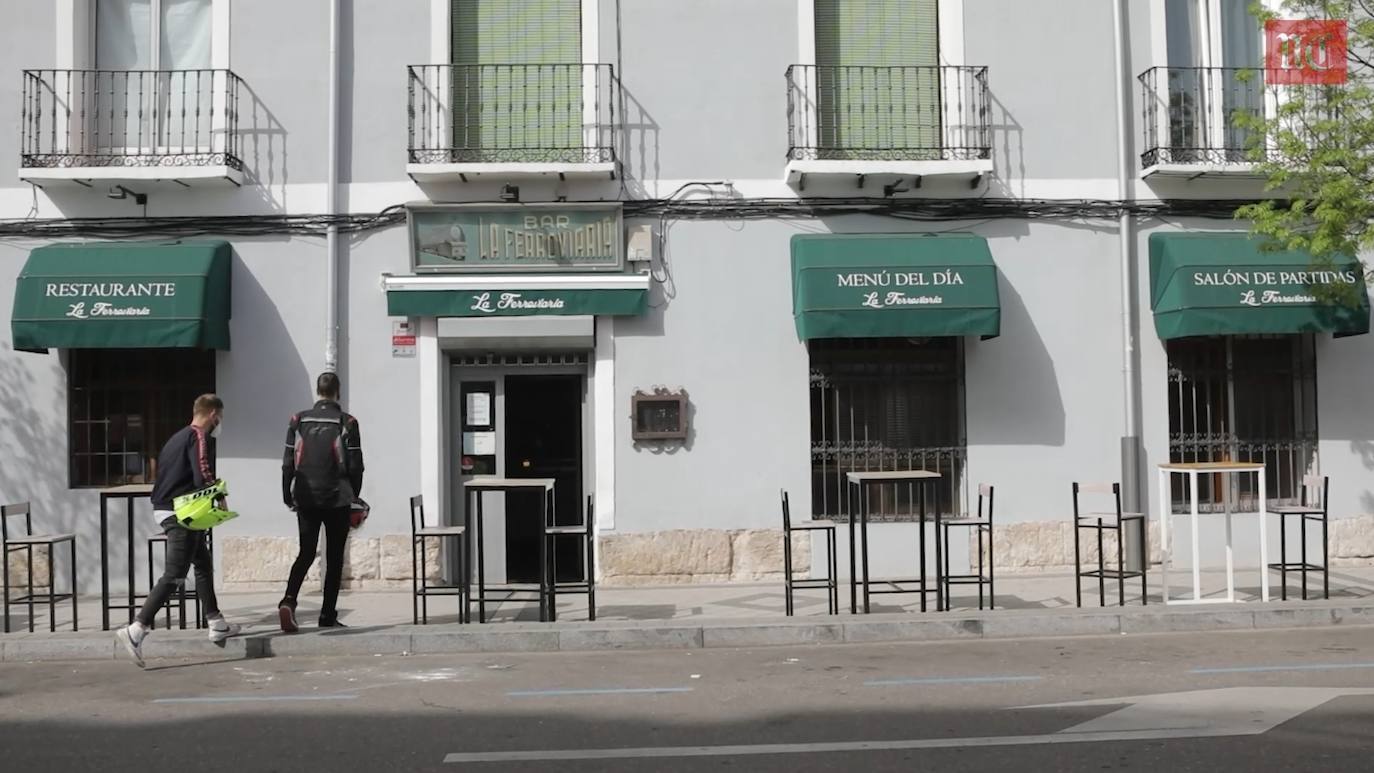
x,y
676,255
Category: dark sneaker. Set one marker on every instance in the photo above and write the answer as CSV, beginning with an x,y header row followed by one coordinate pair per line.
x,y
287,614
332,624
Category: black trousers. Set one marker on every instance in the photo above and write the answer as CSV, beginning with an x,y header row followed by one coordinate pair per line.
x,y
335,523
185,549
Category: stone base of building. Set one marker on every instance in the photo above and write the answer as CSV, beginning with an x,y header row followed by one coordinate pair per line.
x,y
696,556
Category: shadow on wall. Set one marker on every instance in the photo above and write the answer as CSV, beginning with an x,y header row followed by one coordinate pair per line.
x,y
639,152
268,371
262,141
1008,151
1033,412
34,441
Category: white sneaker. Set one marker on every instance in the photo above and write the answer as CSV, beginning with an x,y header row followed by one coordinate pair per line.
x,y
221,629
132,637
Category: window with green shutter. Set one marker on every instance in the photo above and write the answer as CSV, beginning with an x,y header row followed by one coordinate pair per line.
x,y
877,79
517,80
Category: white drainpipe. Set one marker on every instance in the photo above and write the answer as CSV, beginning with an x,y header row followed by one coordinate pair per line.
x,y
1132,495
332,257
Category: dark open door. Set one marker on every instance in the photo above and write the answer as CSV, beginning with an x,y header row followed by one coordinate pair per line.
x,y
543,440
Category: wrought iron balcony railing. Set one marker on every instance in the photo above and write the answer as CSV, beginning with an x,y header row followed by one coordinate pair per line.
x,y
1190,114
130,118
512,113
888,113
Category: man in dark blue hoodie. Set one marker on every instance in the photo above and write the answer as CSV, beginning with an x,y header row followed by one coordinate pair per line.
x,y
186,464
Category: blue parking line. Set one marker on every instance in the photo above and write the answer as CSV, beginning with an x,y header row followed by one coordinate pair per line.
x,y
950,680
1271,669
597,691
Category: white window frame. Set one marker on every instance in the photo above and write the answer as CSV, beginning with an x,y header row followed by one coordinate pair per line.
x,y
75,49
950,28
1209,17
440,53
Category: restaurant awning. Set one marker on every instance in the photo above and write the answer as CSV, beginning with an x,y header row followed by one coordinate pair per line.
x,y
495,296
124,295
1223,284
894,285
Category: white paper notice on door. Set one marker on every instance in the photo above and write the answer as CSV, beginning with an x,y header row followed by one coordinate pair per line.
x,y
479,409
479,443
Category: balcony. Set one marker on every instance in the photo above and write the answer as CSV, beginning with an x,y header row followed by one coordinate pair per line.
x,y
80,126
914,122
511,120
1189,120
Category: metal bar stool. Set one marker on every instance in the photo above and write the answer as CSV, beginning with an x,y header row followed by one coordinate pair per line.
x,y
26,543
982,526
586,531
180,595
1101,523
831,579
1312,487
420,587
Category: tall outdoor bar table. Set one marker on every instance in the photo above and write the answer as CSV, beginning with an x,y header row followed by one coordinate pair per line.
x,y
472,517
128,494
1193,471
859,483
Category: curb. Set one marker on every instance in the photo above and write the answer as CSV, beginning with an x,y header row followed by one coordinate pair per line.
x,y
705,634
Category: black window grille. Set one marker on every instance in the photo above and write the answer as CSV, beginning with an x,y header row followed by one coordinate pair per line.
x,y
124,404
1243,399
886,404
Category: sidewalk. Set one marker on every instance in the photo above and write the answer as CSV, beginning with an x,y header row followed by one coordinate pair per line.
x,y
700,616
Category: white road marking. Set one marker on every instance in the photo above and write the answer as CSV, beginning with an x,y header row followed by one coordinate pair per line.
x,y
1237,711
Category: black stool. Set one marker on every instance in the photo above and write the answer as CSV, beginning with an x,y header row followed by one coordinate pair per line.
x,y
1102,523
26,543
420,587
982,526
586,531
180,595
830,581
1306,512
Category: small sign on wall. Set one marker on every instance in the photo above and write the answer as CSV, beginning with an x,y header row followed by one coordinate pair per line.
x,y
402,339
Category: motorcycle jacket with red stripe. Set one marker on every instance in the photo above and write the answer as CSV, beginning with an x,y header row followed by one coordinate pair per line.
x,y
322,465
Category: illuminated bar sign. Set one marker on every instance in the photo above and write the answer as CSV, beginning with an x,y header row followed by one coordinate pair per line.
x,y
530,237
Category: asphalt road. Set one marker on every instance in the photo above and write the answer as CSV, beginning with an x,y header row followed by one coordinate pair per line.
x,y
1251,701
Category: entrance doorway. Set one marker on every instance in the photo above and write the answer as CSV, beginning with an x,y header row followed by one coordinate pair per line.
x,y
521,416
543,424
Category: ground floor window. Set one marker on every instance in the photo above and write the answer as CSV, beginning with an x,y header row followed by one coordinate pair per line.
x,y
880,404
1246,399
124,404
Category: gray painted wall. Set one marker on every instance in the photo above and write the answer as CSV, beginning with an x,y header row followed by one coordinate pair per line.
x,y
704,87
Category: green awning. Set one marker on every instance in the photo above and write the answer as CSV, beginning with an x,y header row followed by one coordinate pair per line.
x,y
124,295
894,285
1222,284
512,296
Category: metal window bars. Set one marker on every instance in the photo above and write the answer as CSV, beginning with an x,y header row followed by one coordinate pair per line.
x,y
1243,399
886,405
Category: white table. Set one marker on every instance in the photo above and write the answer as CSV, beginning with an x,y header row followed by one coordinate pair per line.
x,y
1193,471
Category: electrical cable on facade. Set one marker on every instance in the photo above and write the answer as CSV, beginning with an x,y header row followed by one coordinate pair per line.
x,y
932,210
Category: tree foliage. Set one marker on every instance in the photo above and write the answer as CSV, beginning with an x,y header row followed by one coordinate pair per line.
x,y
1315,146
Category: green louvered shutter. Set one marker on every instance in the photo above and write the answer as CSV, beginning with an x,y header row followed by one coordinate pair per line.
x,y
530,109
877,82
